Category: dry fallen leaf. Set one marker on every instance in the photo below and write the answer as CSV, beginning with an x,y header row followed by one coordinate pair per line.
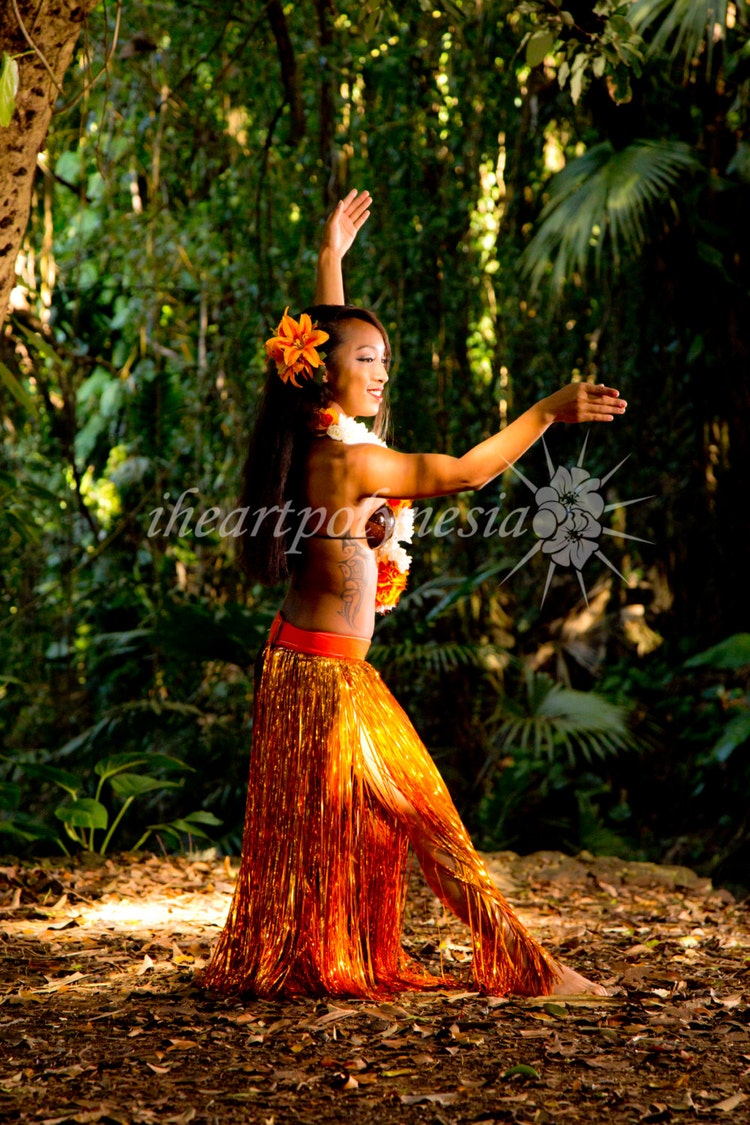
x,y
63,982
730,1104
420,1099
333,1015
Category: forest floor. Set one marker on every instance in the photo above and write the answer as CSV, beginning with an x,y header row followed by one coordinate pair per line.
x,y
101,1018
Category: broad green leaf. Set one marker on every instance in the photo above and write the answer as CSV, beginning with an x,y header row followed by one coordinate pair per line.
x,y
8,89
736,733
620,26
118,763
67,781
165,762
576,85
202,817
182,824
83,813
28,828
19,393
622,91
133,784
540,44
734,652
17,831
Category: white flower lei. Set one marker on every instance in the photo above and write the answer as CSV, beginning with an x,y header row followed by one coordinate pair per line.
x,y
351,432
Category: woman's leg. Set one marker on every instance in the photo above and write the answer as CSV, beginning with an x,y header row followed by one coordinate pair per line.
x,y
405,780
509,938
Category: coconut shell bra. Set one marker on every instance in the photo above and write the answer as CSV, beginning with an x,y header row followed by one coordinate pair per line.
x,y
378,529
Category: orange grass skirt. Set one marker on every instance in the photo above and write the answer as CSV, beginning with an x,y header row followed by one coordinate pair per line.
x,y
340,786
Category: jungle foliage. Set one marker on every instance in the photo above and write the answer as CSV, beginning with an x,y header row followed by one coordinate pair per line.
x,y
561,192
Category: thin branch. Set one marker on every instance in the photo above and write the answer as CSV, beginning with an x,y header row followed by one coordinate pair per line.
x,y
46,171
34,47
105,64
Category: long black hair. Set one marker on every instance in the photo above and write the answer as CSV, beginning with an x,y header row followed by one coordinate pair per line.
x,y
274,472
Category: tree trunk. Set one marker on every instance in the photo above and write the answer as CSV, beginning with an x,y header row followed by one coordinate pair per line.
x,y
289,78
53,26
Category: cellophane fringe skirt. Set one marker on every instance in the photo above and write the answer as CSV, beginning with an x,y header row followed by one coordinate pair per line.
x,y
340,786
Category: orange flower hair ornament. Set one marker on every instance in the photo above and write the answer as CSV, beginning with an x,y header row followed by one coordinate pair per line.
x,y
293,348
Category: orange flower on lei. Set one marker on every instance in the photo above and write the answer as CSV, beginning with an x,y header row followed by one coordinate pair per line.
x,y
391,585
293,348
393,561
398,505
321,420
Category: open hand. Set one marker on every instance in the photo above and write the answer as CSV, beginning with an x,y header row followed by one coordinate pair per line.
x,y
345,221
583,402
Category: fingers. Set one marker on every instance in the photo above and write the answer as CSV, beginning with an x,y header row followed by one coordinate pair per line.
x,y
604,403
358,198
586,402
356,206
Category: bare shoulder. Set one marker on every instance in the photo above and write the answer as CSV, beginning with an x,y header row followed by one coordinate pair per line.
x,y
369,457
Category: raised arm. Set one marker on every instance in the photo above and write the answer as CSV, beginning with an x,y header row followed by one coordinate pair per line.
x,y
341,229
383,472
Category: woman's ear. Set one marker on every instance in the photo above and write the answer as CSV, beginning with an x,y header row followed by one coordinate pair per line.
x,y
325,376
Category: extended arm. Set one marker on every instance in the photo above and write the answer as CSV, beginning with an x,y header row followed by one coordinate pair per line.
x,y
418,475
341,229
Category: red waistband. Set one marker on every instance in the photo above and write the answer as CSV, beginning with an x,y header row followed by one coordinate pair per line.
x,y
285,635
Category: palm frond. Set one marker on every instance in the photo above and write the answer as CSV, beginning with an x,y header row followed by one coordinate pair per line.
x,y
685,26
604,201
556,717
437,656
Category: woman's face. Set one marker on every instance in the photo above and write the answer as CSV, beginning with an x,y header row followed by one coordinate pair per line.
x,y
356,372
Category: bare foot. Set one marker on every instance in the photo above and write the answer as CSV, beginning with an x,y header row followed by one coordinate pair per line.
x,y
573,984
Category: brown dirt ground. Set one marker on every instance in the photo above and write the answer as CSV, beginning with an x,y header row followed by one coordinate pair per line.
x,y
101,1019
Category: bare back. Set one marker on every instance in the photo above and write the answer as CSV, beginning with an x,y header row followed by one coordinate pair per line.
x,y
335,574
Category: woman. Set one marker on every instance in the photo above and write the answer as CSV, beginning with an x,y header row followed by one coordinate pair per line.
x,y
340,784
